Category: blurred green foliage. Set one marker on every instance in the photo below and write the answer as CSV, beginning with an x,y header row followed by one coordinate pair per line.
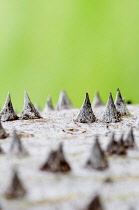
x,y
76,45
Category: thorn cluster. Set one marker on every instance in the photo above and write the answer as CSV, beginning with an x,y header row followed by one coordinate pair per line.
x,y
120,147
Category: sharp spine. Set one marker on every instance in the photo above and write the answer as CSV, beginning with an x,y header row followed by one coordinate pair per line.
x,y
86,114
49,106
3,133
112,145
97,158
15,189
111,115
130,140
8,113
29,111
1,151
63,102
95,204
97,102
56,162
16,147
120,104
121,150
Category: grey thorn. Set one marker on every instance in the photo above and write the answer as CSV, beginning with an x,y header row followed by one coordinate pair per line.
x,y
97,158
49,106
1,151
86,114
15,189
16,148
132,208
56,162
29,111
97,102
130,140
8,113
63,102
95,204
108,180
111,115
112,145
120,104
37,107
121,150
3,133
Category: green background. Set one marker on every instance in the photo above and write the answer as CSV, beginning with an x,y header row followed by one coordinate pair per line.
x,y
76,45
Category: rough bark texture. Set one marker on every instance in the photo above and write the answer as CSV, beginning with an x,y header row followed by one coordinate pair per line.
x,y
76,189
